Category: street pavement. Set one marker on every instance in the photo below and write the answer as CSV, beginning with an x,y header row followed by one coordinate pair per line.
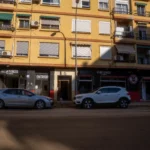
x,y
75,129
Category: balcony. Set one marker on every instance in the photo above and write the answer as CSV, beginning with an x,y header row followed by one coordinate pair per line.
x,y
120,13
124,34
7,5
118,10
142,37
125,58
6,27
143,14
7,1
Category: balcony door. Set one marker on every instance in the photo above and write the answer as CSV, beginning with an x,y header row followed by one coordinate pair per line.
x,y
142,33
122,8
141,10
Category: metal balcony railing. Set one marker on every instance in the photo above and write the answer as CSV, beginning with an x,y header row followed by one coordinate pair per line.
x,y
7,1
125,34
124,60
142,37
144,14
118,10
6,27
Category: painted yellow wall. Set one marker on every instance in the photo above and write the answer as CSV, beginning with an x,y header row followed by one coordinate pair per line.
x,y
66,13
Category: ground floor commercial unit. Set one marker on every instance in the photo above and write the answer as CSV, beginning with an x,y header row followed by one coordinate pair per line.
x,y
60,82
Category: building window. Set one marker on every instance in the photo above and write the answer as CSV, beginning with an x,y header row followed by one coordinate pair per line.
x,y
103,4
49,49
24,22
104,27
141,10
121,8
82,3
50,23
105,52
51,2
83,51
2,45
22,48
83,26
25,1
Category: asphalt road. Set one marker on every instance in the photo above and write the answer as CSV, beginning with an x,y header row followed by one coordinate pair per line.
x,y
75,129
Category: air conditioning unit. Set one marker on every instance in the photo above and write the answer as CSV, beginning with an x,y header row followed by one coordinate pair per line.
x,y
6,53
34,23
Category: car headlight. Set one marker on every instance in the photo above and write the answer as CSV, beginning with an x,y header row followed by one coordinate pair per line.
x,y
78,97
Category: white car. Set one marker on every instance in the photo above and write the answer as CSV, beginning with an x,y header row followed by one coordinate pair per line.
x,y
118,96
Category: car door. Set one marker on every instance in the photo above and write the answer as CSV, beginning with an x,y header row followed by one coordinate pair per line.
x,y
10,97
101,96
23,99
113,94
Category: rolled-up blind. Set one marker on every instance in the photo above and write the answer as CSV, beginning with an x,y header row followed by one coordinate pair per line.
x,y
22,48
49,49
82,51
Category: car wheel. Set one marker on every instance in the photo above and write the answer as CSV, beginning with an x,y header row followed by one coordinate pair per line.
x,y
87,103
40,104
1,104
123,103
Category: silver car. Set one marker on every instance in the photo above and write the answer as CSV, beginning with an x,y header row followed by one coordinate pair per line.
x,y
23,98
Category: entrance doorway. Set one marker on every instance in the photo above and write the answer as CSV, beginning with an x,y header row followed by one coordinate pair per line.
x,y
64,88
146,90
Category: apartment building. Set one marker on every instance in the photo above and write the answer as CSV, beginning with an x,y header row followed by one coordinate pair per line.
x,y
37,46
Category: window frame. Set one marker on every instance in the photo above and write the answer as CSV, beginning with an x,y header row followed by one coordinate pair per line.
x,y
50,25
20,53
24,19
47,55
81,57
107,56
49,3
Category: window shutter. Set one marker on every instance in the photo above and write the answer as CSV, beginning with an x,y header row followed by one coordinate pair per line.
x,y
82,51
104,1
105,52
22,48
82,25
49,49
104,27
2,45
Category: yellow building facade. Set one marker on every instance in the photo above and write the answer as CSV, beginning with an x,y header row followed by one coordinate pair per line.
x,y
37,46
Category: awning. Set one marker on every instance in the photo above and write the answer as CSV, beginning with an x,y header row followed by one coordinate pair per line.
x,y
23,15
5,16
125,49
142,4
49,17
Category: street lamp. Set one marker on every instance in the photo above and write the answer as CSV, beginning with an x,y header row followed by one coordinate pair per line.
x,y
53,34
76,67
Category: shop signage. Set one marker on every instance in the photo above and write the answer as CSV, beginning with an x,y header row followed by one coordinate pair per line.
x,y
39,76
133,79
104,73
9,72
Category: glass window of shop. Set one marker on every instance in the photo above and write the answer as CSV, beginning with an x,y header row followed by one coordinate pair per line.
x,y
42,84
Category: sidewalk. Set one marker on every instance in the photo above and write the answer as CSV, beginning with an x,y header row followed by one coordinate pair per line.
x,y
70,104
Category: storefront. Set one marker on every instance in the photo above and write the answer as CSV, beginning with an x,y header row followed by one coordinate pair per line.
x,y
36,80
91,79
